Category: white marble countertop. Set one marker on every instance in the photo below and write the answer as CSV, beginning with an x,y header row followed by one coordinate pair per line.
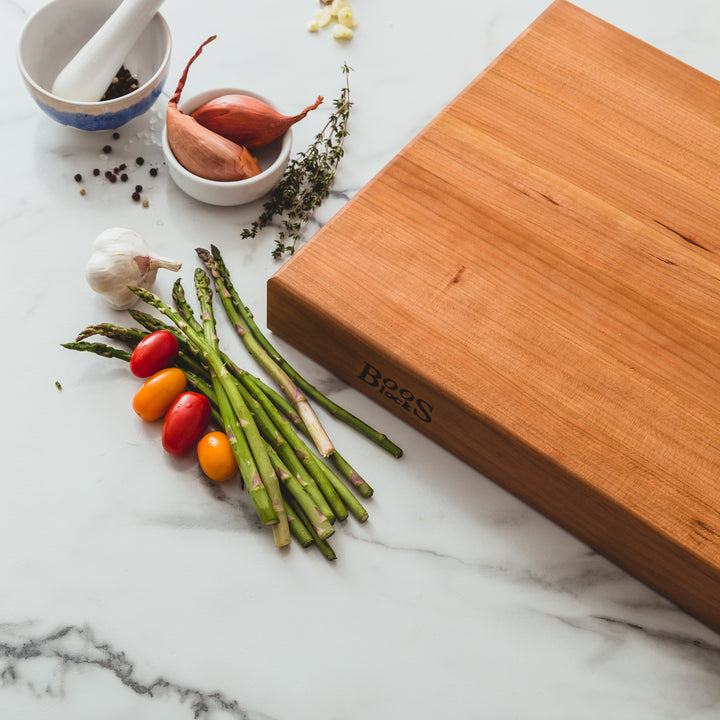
x,y
132,589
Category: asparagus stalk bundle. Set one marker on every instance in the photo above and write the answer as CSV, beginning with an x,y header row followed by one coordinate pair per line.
x,y
264,352
293,489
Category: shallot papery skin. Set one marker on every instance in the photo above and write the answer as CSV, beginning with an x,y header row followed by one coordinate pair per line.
x,y
246,120
201,151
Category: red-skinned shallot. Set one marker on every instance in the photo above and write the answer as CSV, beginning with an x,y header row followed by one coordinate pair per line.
x,y
246,120
202,151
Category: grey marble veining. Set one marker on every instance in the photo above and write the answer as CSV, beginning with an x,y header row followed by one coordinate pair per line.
x,y
45,666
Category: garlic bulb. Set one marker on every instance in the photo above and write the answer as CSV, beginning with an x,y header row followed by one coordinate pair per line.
x,y
121,258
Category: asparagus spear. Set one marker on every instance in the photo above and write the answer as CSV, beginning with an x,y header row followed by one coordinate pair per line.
x,y
281,531
129,336
318,524
291,390
297,526
310,390
99,349
321,543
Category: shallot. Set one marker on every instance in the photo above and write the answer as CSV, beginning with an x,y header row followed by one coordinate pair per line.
x,y
247,120
202,151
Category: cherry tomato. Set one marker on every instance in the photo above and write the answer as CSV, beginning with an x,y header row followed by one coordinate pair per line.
x,y
158,392
185,422
216,457
154,352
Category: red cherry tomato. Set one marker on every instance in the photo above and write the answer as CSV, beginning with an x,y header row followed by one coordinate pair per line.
x,y
158,392
185,422
154,352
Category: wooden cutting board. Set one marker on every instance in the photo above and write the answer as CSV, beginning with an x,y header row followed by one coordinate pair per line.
x,y
534,282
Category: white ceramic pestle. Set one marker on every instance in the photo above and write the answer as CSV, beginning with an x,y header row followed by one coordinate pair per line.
x,y
86,77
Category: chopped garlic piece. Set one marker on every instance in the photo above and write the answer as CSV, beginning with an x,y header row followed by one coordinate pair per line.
x,y
346,17
337,5
312,26
323,18
342,32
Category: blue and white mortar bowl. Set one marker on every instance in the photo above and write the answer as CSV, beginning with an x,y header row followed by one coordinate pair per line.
x,y
52,36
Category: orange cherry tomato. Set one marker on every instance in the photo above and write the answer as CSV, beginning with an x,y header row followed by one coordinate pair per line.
x,y
216,457
158,393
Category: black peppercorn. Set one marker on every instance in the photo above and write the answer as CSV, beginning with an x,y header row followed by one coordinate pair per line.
x,y
140,160
124,177
122,84
153,171
96,172
138,188
78,177
136,196
107,149
116,135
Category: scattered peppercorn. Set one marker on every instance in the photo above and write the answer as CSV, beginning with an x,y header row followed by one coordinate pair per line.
x,y
120,172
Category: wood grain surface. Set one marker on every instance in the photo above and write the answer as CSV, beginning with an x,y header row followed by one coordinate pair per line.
x,y
534,282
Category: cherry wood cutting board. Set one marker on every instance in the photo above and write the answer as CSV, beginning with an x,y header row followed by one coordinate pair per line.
x,y
534,282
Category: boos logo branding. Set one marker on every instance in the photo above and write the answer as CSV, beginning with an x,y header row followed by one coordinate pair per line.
x,y
403,397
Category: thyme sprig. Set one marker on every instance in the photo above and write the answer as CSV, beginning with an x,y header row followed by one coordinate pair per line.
x,y
307,179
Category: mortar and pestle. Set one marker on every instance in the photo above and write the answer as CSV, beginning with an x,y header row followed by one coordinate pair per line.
x,y
67,71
